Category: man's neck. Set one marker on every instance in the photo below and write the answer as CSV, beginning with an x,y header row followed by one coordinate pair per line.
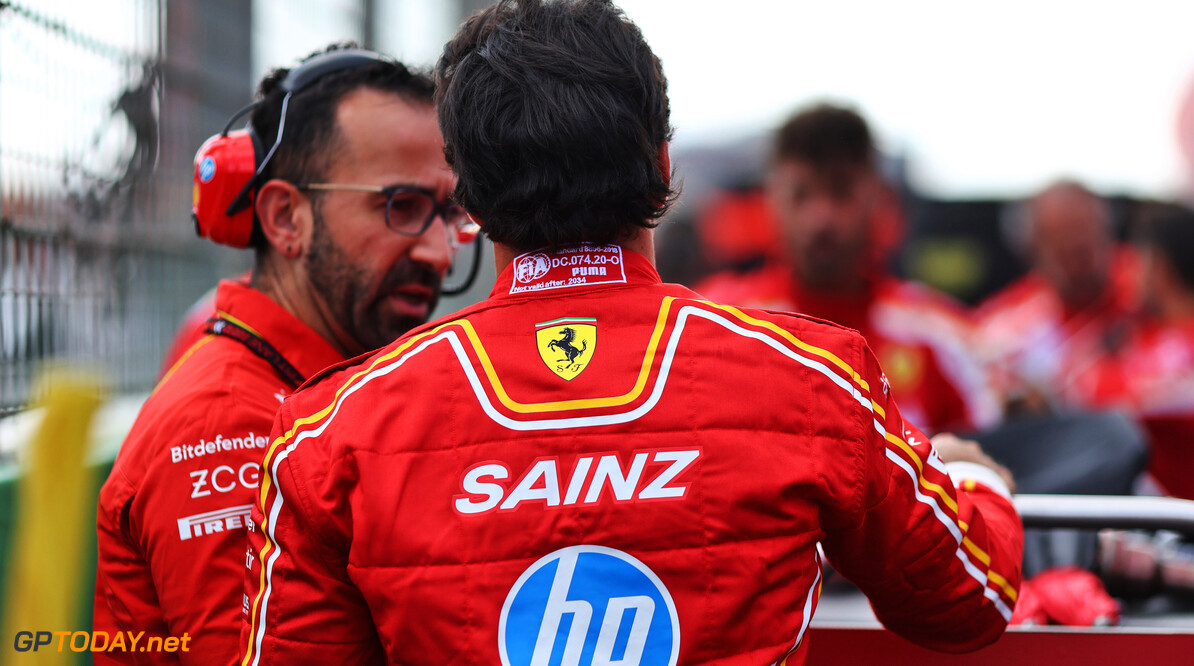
x,y
280,283
642,242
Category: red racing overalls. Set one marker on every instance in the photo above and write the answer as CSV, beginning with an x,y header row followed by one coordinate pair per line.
x,y
593,467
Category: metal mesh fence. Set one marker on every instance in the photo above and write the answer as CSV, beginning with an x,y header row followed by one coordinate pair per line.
x,y
93,263
102,106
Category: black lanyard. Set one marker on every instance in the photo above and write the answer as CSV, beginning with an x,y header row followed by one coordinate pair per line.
x,y
257,345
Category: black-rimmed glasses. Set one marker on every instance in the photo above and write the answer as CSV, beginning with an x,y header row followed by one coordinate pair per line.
x,y
410,210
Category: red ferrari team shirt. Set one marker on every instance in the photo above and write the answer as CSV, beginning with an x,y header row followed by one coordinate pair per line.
x,y
920,337
171,519
592,467
194,324
1152,377
1033,343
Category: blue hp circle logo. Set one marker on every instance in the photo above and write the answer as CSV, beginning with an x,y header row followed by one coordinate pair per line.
x,y
589,606
207,169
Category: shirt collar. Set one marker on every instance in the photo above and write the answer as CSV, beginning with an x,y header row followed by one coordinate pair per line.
x,y
575,268
305,349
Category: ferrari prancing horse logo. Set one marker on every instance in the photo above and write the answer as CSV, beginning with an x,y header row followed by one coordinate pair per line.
x,y
566,345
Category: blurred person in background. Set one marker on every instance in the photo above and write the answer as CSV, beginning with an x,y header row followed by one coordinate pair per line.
x,y
592,466
833,208
1151,374
351,227
1041,333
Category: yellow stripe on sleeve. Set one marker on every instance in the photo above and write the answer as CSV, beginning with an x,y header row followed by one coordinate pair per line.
x,y
799,344
925,483
1002,583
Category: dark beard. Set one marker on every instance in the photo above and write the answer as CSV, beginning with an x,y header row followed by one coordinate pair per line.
x,y
345,289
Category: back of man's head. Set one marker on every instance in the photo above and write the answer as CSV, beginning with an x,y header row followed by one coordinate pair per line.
x,y
553,114
309,142
826,138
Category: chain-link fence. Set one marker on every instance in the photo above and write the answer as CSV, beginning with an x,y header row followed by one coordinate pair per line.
x,y
94,264
102,106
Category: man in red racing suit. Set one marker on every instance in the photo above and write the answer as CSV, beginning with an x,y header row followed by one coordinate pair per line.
x,y
331,281
593,467
707,448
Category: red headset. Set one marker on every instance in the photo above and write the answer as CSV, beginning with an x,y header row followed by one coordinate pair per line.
x,y
229,165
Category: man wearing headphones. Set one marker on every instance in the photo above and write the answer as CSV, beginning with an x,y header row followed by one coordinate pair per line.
x,y
608,469
340,187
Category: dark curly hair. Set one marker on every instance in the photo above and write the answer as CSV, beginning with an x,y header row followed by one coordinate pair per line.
x,y
826,137
553,113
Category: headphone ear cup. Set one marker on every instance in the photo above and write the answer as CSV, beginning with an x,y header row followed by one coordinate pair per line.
x,y
223,165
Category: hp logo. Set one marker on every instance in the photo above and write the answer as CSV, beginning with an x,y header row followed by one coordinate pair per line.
x,y
589,606
207,169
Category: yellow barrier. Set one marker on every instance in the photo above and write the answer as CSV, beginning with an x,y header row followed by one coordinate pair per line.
x,y
55,515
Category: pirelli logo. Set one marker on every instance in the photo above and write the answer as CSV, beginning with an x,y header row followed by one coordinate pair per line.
x,y
222,520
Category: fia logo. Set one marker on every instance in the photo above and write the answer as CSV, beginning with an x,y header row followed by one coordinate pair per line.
x,y
566,345
530,267
589,606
